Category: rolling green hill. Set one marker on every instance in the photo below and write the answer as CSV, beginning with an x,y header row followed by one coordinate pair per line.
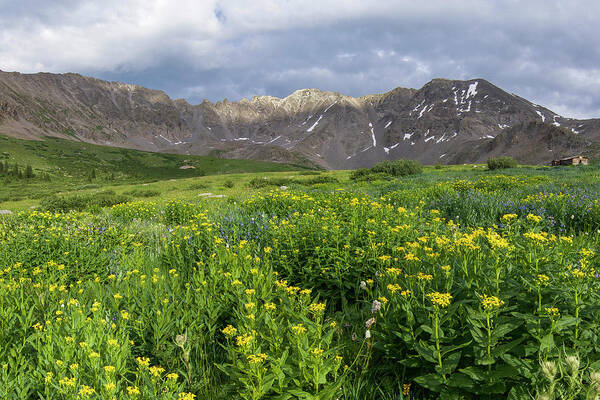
x,y
64,165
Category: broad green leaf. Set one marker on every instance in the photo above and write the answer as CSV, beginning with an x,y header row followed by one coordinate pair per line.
x,y
432,382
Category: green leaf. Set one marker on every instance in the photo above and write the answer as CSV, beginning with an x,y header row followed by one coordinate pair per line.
x,y
427,328
426,353
518,392
523,366
460,380
450,349
449,364
432,382
498,351
474,372
565,322
478,335
505,328
503,371
546,343
410,362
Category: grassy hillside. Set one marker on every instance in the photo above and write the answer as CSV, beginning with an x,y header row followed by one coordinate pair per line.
x,y
70,158
63,165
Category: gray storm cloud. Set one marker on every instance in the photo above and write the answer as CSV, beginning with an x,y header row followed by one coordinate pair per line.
x,y
542,50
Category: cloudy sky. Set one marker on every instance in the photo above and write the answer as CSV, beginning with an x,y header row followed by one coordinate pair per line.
x,y
544,50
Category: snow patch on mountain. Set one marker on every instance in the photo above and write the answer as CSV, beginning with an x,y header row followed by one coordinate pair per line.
x,y
541,115
315,124
307,119
472,89
373,135
327,109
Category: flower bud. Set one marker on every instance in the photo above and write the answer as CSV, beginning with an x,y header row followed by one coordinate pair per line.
x,y
180,340
375,307
549,370
595,379
573,364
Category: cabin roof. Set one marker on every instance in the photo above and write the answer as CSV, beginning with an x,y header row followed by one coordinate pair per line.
x,y
572,157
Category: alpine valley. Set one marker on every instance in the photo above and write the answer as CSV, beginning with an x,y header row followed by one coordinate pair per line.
x,y
446,121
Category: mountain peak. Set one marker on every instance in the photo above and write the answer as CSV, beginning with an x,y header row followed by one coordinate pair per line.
x,y
444,121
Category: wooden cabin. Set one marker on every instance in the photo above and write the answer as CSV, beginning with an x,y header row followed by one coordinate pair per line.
x,y
575,160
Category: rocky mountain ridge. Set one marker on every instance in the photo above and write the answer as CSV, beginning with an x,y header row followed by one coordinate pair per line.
x,y
445,121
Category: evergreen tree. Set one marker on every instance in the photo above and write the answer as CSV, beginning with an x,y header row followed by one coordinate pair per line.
x,y
29,172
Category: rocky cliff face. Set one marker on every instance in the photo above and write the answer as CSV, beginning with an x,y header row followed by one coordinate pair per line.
x,y
445,121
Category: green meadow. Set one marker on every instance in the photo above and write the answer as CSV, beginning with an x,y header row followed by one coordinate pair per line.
x,y
247,280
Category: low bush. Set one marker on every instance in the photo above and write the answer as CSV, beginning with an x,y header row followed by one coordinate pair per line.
x,y
80,202
398,168
196,186
501,163
319,180
386,169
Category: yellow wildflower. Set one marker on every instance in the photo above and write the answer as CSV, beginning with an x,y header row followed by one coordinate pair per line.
x,y
317,307
298,329
143,361
229,330
440,299
86,391
133,390
257,358
491,302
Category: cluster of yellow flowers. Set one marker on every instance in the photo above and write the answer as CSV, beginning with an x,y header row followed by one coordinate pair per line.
x,y
553,312
440,299
257,358
245,339
317,307
491,302
229,330
298,329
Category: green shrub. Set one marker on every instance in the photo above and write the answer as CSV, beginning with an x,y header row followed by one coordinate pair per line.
x,y
79,202
399,167
501,163
196,186
367,175
228,184
387,169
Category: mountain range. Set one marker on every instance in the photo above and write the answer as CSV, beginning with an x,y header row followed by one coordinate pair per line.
x,y
446,121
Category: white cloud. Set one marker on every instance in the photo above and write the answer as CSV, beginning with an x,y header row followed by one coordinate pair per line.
x,y
231,48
